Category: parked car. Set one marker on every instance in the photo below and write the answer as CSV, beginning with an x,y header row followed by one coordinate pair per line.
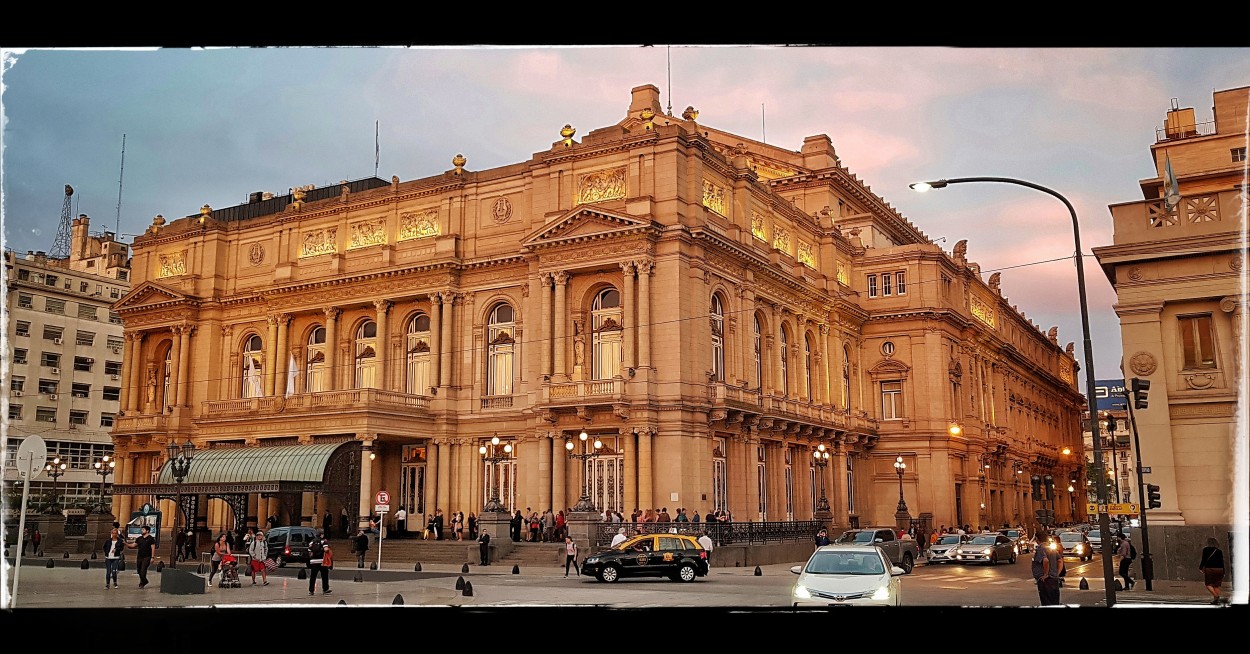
x,y
1076,543
1024,544
943,551
289,544
987,548
847,575
676,556
902,552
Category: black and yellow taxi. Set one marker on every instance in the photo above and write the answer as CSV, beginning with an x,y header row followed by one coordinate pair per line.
x,y
676,556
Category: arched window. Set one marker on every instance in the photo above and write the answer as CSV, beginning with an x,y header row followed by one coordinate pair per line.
x,y
316,371
846,377
500,350
605,327
718,339
253,362
785,363
759,361
417,346
166,398
807,366
368,363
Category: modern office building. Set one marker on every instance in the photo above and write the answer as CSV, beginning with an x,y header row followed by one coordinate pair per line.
x,y
1177,264
710,311
63,351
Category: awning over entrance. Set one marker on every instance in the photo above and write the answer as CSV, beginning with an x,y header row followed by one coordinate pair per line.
x,y
297,463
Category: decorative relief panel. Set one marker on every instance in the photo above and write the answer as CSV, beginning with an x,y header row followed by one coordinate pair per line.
x,y
501,210
781,239
768,170
982,311
757,227
1143,363
844,278
172,264
714,198
318,241
366,233
805,255
418,225
601,185
256,254
1065,370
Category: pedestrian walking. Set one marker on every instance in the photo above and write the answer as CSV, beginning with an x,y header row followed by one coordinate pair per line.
x,y
570,556
1047,559
327,522
361,546
483,547
25,539
258,551
1127,553
112,557
457,525
144,546
36,540
189,553
401,522
1211,565
316,558
220,548
706,542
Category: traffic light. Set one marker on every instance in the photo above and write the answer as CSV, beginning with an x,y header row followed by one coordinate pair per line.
x,y
1037,488
1050,487
1141,389
1152,496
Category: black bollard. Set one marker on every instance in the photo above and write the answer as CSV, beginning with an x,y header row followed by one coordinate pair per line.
x,y
1119,587
468,589
398,601
1084,585
464,568
51,564
66,555
86,565
358,577
516,569
94,556
342,602
160,565
373,565
416,567
459,583
758,572
303,573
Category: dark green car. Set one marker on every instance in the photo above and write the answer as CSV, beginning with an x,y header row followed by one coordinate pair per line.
x,y
676,556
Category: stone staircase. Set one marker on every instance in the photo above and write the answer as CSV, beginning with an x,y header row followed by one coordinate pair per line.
x,y
409,551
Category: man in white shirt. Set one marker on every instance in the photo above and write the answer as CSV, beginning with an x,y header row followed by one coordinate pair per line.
x,y
706,542
401,521
619,537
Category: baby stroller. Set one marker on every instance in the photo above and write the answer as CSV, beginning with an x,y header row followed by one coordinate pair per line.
x,y
229,572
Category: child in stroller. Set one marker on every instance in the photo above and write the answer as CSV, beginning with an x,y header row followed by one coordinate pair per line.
x,y
229,572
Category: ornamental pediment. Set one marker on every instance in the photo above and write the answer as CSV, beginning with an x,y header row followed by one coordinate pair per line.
x,y
149,294
586,223
889,368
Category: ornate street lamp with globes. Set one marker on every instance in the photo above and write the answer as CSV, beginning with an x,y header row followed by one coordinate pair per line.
x,y
821,458
104,467
901,514
494,455
55,469
179,466
584,503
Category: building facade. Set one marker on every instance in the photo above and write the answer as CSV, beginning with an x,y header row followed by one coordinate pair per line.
x,y
708,309
63,346
1177,267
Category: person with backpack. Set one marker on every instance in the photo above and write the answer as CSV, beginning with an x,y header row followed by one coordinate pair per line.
x,y
319,563
1127,553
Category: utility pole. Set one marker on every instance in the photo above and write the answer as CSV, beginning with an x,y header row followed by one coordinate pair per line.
x,y
1139,388
64,236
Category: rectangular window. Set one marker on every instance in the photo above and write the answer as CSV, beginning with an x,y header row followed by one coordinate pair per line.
x,y
15,411
887,285
23,328
53,305
23,275
19,355
87,311
872,286
1197,341
17,383
123,275
115,343
81,390
50,280
83,286
112,367
48,386
113,293
106,420
51,333
891,400
45,414
25,300
83,364
900,283
115,318
77,417
84,338
50,359
111,393
1239,154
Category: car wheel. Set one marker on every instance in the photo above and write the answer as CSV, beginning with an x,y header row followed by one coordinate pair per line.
x,y
1013,558
610,574
685,573
908,564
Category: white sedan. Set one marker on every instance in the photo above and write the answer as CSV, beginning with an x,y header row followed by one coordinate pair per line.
x,y
847,575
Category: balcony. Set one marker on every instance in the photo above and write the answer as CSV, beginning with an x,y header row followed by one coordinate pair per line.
x,y
1197,215
735,398
141,424
497,402
599,391
324,402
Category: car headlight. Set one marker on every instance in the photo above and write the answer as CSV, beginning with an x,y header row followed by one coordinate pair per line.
x,y
801,592
882,593
592,560
985,550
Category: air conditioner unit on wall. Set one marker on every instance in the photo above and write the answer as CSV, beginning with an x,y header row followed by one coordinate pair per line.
x,y
16,393
57,341
56,371
115,377
54,397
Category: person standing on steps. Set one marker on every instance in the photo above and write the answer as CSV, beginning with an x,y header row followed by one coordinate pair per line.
x,y
362,546
483,547
570,556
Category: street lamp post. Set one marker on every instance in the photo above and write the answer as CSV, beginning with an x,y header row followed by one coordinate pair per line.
x,y
1115,461
492,456
1104,521
901,514
55,470
179,466
104,467
821,458
584,503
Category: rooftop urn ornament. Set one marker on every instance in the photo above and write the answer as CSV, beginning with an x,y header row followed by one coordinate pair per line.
x,y
458,161
690,114
567,133
647,115
205,212
157,223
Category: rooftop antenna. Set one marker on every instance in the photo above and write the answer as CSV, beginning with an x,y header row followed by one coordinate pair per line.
x,y
763,131
61,245
376,148
669,50
120,175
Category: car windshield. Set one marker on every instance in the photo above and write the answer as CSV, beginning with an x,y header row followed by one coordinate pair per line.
x,y
856,537
984,540
1011,533
845,563
952,539
1069,536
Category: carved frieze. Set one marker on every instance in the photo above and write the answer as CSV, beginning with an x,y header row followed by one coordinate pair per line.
x,y
1065,370
172,264
318,241
714,198
805,255
600,186
501,211
843,277
418,225
366,233
982,311
757,227
781,239
256,254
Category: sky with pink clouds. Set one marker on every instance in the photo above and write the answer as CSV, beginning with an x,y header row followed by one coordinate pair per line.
x,y
209,126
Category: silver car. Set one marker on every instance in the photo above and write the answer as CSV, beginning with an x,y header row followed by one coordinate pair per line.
x,y
943,551
987,548
1024,544
847,575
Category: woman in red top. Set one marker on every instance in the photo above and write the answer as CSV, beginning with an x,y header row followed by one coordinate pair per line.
x,y
559,524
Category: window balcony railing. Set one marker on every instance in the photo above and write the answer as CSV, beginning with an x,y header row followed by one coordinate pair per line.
x,y
607,389
1184,131
1195,215
319,402
497,402
138,424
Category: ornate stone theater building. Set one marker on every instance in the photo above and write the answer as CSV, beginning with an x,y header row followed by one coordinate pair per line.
x,y
708,309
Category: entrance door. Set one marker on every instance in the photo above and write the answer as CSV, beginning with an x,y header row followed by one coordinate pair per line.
x,y
607,484
412,485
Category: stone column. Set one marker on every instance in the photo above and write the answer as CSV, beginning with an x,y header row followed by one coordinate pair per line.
x,y
436,338
783,371
1234,306
184,365
123,376
544,320
800,360
365,502
561,321
432,470
284,355
545,476
332,348
559,475
837,484
133,374
646,491
627,316
445,341
630,440
822,365
445,464
383,308
175,375
644,312
271,353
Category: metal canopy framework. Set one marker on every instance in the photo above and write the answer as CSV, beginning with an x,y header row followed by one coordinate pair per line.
x,y
284,471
